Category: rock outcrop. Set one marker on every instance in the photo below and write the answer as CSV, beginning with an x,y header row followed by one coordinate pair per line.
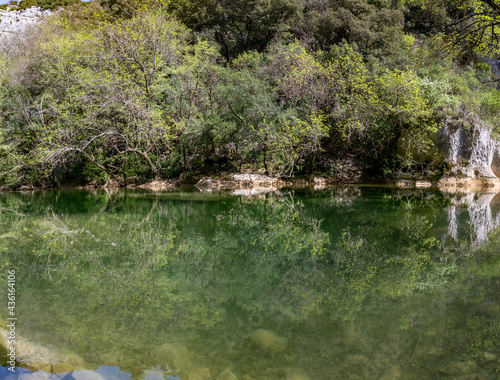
x,y
15,21
269,341
470,149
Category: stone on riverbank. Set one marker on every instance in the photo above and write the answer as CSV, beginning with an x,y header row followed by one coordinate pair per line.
x,y
420,184
405,184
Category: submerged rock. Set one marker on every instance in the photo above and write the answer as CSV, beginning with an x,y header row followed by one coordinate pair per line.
x,y
227,375
269,341
489,357
391,373
459,368
356,360
46,367
171,356
296,374
199,374
63,367
37,357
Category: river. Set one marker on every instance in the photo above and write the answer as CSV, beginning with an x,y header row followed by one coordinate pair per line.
x,y
345,283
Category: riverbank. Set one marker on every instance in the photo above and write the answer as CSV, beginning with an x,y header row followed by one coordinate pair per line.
x,y
257,183
252,184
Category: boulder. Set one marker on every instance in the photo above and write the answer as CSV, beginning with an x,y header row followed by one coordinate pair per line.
x,y
171,355
238,181
319,181
391,373
489,357
296,374
40,366
269,341
199,374
404,183
205,184
423,184
227,375
356,360
63,367
188,178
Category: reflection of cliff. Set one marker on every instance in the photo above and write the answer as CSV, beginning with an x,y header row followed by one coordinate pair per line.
x,y
473,215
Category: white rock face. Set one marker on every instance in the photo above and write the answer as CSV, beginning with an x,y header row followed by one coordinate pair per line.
x,y
15,21
473,151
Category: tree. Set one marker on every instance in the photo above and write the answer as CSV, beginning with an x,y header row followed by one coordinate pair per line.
x,y
126,9
374,26
291,143
238,25
97,101
473,25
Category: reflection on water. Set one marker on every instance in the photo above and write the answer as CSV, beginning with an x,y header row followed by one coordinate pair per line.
x,y
482,211
351,283
102,373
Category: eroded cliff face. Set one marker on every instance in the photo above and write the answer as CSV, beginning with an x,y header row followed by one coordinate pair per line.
x,y
470,148
13,21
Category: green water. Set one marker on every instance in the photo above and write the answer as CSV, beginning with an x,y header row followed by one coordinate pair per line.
x,y
360,283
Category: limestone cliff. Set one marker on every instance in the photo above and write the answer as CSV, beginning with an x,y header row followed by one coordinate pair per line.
x,y
15,21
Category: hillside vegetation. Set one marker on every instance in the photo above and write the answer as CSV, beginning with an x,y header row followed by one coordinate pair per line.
x,y
121,89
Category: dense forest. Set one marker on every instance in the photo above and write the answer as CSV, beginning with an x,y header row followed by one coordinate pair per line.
x,y
132,90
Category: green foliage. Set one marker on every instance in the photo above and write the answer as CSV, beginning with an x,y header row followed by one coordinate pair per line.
x,y
285,86
126,9
491,104
290,143
471,27
46,4
373,26
238,25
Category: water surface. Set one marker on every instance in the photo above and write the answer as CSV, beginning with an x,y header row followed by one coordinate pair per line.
x,y
349,283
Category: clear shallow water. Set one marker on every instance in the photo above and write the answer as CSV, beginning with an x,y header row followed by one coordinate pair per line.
x,y
352,283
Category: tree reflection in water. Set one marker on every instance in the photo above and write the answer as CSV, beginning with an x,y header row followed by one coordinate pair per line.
x,y
361,282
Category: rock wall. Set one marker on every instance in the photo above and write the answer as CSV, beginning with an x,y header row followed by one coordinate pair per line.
x,y
470,148
15,21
